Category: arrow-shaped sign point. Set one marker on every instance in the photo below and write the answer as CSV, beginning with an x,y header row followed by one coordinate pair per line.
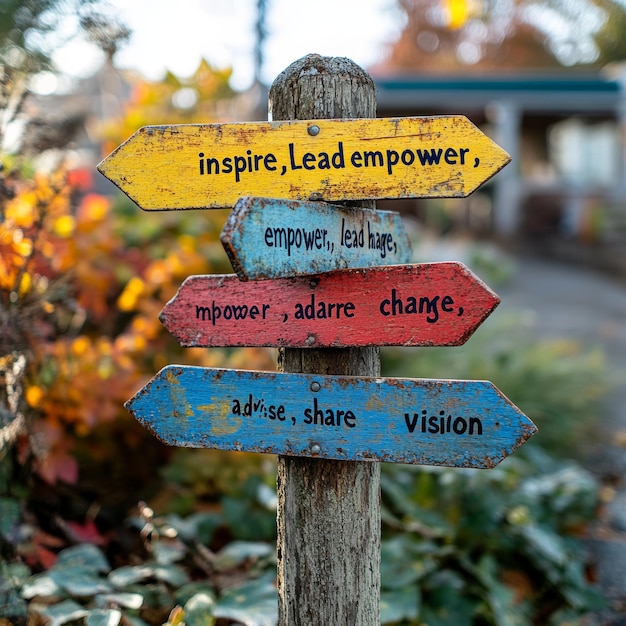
x,y
426,304
207,166
452,423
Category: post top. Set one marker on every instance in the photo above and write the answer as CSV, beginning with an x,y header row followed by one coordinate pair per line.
x,y
316,87
313,64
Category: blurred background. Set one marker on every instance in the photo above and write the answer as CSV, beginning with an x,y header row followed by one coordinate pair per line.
x,y
99,522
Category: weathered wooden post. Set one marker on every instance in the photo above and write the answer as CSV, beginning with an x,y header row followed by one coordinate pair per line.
x,y
328,511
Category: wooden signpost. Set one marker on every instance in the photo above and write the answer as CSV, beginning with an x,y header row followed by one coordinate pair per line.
x,y
206,166
427,304
310,284
454,423
272,238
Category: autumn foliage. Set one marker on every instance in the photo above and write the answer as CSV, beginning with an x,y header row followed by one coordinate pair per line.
x,y
83,278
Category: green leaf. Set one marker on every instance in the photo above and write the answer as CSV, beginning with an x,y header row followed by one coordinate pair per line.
x,y
167,552
40,585
500,598
12,577
103,617
9,516
129,575
450,609
199,610
171,574
196,527
77,581
12,605
266,496
569,495
183,594
544,543
13,574
125,600
86,556
399,604
238,552
254,603
60,613
155,594
408,493
573,588
404,560
446,602
248,520
246,513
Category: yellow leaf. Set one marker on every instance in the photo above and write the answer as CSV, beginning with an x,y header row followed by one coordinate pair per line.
x,y
94,208
34,395
457,13
80,345
187,243
47,249
104,347
64,226
21,210
139,343
129,297
157,273
22,245
25,284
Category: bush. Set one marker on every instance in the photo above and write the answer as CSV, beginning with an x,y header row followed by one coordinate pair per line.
x,y
459,547
487,547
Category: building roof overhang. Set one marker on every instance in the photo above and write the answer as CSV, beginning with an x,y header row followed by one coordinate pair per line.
x,y
590,93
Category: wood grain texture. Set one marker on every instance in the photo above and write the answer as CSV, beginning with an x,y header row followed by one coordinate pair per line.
x,y
327,577
274,238
426,304
452,423
189,166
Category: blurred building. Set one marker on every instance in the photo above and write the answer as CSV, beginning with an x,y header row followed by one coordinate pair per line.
x,y
566,134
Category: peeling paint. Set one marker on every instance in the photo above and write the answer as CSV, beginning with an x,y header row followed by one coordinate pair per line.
x,y
159,167
417,421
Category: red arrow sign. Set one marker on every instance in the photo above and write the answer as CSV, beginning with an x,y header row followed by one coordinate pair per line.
x,y
429,304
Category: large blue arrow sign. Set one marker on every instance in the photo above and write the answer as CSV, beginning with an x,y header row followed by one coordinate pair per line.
x,y
426,422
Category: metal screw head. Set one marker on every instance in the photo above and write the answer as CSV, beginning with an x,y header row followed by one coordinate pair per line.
x,y
315,386
315,448
313,130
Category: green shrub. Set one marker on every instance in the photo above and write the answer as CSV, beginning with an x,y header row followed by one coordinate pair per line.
x,y
486,547
494,547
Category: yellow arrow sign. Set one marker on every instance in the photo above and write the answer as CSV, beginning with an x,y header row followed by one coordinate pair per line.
x,y
212,165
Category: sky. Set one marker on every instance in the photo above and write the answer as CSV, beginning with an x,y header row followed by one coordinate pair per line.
x,y
176,35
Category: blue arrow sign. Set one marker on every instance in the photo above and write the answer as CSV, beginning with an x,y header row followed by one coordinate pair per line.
x,y
452,423
269,238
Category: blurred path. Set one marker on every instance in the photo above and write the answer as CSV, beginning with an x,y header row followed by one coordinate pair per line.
x,y
573,302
